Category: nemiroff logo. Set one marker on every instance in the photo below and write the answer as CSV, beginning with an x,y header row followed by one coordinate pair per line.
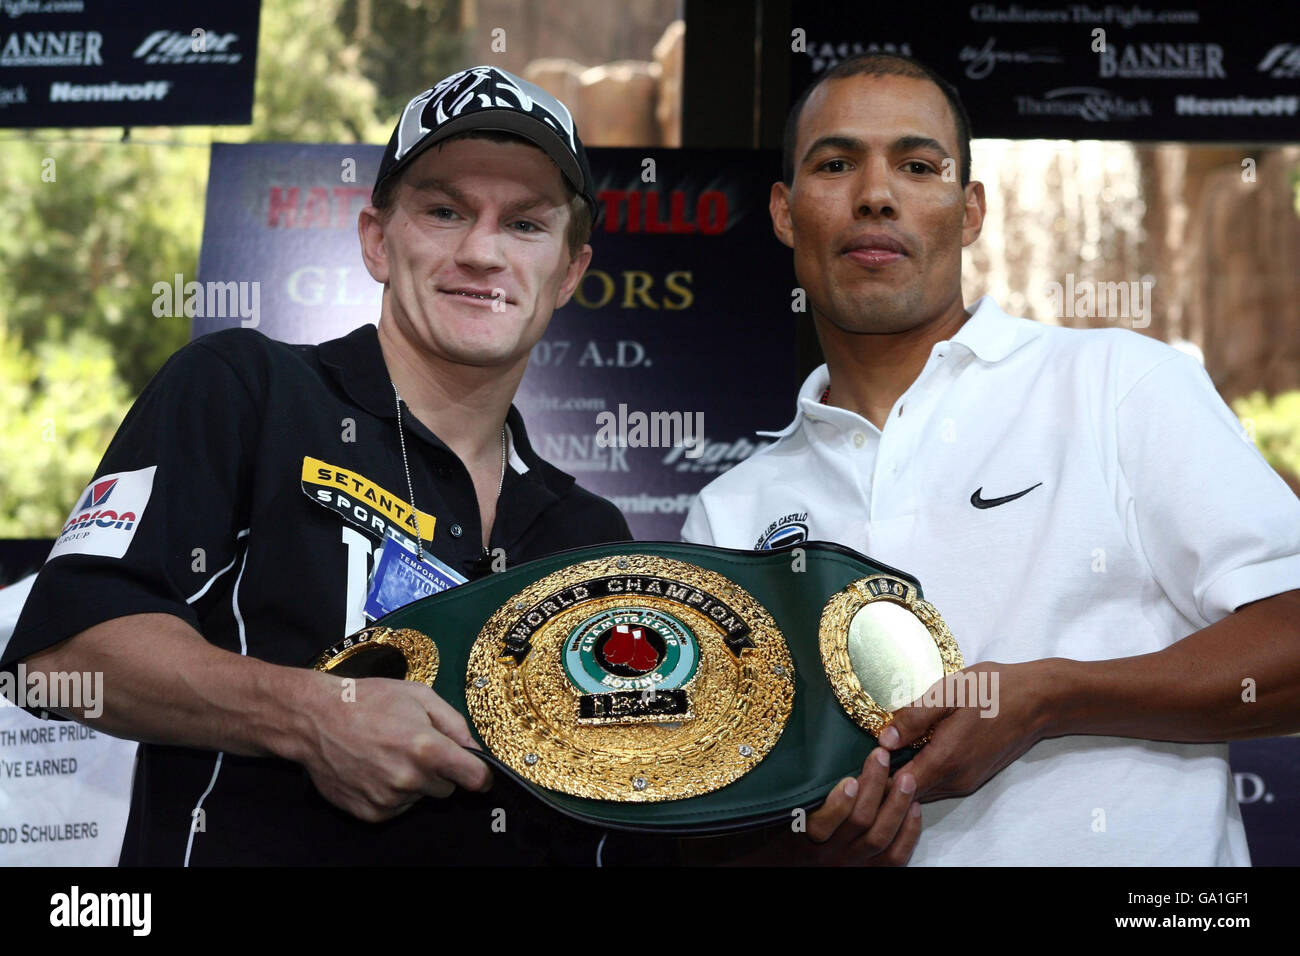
x,y
52,48
196,46
108,92
1236,106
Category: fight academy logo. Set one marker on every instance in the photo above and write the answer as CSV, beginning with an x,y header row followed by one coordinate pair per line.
x,y
631,664
194,46
1282,62
783,532
104,521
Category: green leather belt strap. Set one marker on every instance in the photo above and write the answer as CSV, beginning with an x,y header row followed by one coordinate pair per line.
x,y
820,743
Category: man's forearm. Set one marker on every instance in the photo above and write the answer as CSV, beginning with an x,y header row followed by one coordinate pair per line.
x,y
1235,679
164,683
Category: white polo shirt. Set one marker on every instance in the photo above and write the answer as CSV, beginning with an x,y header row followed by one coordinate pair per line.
x,y
1150,517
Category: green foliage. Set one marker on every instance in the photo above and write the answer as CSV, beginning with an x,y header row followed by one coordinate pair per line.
x,y
82,252
1276,425
404,46
71,402
310,87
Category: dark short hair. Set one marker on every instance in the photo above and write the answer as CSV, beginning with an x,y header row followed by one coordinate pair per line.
x,y
879,64
581,221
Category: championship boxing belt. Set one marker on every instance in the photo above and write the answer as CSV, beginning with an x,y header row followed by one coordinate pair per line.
x,y
666,687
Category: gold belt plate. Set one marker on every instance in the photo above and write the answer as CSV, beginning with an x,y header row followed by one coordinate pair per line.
x,y
633,678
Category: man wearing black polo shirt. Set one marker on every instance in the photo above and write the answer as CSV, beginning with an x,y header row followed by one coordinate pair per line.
x,y
234,522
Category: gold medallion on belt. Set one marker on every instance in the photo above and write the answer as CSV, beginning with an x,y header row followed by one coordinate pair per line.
x,y
399,653
631,678
882,647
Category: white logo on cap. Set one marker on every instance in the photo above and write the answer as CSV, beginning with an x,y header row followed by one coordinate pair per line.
x,y
453,95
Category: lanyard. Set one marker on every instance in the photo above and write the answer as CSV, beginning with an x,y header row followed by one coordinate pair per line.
x,y
410,487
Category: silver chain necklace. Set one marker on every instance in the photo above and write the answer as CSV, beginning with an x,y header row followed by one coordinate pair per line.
x,y
406,467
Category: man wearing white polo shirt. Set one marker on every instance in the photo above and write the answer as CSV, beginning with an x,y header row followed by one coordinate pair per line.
x,y
1081,506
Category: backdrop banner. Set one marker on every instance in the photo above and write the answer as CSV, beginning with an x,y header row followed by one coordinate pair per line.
x,y
127,62
1194,70
65,790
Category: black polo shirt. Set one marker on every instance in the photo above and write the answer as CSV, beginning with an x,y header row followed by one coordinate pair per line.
x,y
247,492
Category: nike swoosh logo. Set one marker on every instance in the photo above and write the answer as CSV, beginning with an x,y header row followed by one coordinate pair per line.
x,y
979,502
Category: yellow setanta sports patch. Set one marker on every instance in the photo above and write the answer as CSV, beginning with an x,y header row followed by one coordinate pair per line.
x,y
361,501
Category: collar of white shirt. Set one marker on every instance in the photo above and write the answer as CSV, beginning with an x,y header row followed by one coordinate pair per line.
x,y
989,334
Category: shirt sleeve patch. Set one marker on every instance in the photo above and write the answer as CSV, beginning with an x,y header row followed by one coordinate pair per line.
x,y
107,515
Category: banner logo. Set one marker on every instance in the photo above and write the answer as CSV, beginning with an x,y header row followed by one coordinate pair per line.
x,y
1162,61
48,48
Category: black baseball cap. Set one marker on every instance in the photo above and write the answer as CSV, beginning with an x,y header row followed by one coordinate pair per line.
x,y
486,97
